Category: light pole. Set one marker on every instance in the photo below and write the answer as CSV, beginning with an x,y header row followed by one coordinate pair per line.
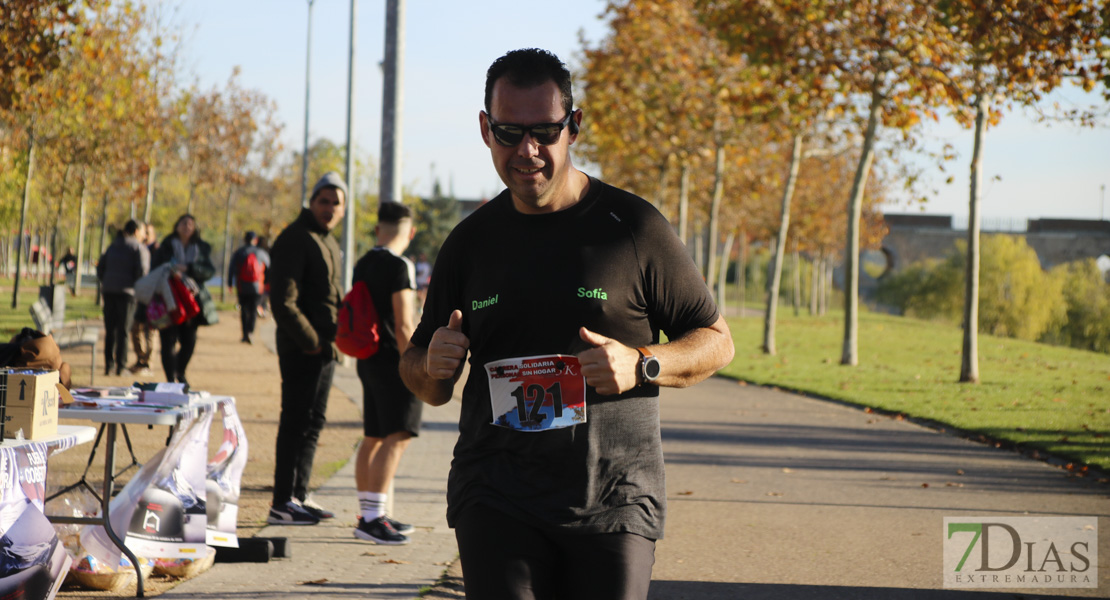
x,y
307,73
352,200
392,94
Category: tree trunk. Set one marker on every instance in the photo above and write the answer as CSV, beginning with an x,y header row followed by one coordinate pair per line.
x,y
683,201
714,216
780,248
80,239
850,355
661,192
814,282
722,273
227,243
742,272
797,281
23,212
699,247
969,365
826,278
103,239
149,192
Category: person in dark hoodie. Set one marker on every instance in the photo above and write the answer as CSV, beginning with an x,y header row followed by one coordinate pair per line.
x,y
123,263
306,288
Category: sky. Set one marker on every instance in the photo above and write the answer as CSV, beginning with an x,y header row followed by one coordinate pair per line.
x,y
1031,170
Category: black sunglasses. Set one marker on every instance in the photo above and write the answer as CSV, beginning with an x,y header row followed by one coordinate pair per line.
x,y
510,134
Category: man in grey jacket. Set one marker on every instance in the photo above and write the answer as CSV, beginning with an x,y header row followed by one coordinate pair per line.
x,y
123,263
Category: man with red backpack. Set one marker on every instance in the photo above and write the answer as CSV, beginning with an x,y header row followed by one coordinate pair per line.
x,y
391,413
247,274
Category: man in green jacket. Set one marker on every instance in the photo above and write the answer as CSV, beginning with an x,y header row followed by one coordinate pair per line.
x,y
306,288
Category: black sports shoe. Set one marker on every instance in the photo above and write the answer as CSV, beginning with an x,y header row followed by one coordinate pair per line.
x,y
291,513
379,531
405,528
316,510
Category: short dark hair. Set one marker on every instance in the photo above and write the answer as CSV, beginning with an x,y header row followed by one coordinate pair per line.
x,y
131,227
393,212
530,67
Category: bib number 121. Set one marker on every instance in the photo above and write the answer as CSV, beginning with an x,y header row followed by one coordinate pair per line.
x,y
537,392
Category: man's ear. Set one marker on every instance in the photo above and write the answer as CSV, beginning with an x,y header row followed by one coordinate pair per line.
x,y
485,127
575,123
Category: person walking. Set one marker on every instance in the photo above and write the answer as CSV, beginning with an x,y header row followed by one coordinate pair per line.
x,y
247,274
142,334
558,289
68,264
305,290
390,412
121,265
191,259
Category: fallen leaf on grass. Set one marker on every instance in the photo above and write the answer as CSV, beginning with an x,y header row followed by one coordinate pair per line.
x,y
394,561
313,582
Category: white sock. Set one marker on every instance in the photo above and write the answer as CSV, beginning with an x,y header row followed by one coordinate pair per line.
x,y
372,505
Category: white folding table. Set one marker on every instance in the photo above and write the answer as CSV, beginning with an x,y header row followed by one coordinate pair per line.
x,y
109,419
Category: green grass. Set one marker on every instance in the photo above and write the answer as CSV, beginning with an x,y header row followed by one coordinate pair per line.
x,y
78,308
1035,397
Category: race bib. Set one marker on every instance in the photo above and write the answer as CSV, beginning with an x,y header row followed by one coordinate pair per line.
x,y
537,393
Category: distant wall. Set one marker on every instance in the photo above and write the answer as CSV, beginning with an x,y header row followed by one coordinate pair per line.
x,y
914,238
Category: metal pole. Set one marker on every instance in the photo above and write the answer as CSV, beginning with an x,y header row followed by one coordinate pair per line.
x,y
307,74
351,202
390,185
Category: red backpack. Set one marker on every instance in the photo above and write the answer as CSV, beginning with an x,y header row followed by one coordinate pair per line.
x,y
252,270
359,327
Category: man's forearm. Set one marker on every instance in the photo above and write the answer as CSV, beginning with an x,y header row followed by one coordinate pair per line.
x,y
695,356
435,392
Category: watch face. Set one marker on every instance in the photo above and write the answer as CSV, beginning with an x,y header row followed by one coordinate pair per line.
x,y
651,368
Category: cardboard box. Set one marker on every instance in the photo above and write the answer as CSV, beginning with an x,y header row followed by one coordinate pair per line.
x,y
30,403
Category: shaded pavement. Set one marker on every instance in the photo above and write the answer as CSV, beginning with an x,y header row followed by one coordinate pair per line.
x,y
771,496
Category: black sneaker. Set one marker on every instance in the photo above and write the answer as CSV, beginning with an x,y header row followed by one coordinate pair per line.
x,y
316,510
291,513
405,528
379,531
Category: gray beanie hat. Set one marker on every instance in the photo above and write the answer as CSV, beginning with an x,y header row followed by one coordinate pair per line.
x,y
330,179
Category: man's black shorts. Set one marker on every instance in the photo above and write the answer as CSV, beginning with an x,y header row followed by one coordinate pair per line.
x,y
387,405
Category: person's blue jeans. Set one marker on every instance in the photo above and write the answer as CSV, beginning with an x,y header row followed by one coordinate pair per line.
x,y
305,383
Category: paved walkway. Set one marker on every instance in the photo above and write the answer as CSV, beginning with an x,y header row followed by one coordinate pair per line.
x,y
772,496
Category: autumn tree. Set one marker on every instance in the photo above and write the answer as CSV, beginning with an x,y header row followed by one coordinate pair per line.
x,y
1010,51
882,56
32,36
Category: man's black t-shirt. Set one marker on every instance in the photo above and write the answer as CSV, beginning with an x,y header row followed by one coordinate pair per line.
x,y
385,273
525,285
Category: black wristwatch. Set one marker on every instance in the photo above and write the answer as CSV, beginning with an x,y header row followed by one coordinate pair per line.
x,y
649,365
